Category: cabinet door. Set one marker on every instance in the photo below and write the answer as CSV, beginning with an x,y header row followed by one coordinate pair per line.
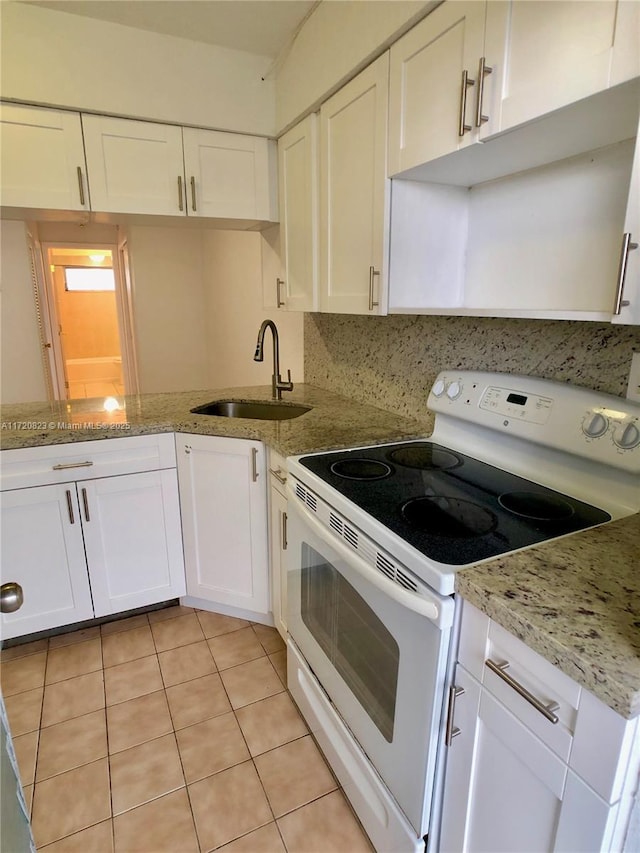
x,y
134,166
627,302
298,186
42,159
229,175
277,550
428,102
42,549
132,537
548,55
354,195
223,497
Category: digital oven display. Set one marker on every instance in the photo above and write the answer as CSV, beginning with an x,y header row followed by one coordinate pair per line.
x,y
518,399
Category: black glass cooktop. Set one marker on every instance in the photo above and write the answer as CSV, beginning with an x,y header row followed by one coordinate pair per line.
x,y
453,508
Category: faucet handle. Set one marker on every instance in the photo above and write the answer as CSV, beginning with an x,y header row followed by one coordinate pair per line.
x,y
285,386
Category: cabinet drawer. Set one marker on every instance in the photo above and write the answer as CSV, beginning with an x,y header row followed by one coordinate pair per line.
x,y
85,460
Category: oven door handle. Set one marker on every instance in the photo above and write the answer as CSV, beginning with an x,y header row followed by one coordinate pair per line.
x,y
417,603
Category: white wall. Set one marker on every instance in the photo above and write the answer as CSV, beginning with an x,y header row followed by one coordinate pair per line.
x,y
336,39
61,59
233,292
21,376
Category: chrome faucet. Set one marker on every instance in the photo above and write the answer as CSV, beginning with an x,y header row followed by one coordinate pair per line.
x,y
277,385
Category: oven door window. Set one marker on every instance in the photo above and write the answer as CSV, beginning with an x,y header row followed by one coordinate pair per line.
x,y
353,638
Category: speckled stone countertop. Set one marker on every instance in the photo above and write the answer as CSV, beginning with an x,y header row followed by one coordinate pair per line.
x,y
576,601
333,422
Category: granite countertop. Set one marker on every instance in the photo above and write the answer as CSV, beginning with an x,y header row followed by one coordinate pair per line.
x,y
576,601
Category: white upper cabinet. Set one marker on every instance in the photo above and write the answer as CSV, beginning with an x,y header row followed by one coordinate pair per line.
x,y
354,195
43,163
229,175
298,195
134,166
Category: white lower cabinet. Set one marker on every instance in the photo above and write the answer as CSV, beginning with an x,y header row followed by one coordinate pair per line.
x,y
515,780
278,540
223,497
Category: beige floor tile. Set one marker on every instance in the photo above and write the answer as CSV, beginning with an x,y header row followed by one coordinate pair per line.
x,y
251,682
330,818
124,646
133,679
169,613
73,660
228,805
162,826
186,663
70,802
27,792
24,711
238,647
211,746
269,637
71,744
128,624
215,624
144,773
197,700
279,661
294,774
71,637
72,698
23,674
22,650
138,720
96,839
26,749
181,631
267,839
270,723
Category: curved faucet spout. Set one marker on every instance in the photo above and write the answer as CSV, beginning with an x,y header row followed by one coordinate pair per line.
x,y
277,385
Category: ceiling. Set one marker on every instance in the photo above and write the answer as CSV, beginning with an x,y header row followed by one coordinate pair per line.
x,y
263,27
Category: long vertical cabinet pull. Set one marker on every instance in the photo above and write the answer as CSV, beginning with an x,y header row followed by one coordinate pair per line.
x,y
81,186
85,503
466,82
451,730
254,464
483,70
284,530
180,201
193,193
70,507
627,246
279,301
373,272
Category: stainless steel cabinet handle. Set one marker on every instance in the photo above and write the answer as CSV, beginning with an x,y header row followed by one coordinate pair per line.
x,y
627,246
483,70
279,301
180,201
451,730
62,467
466,82
546,710
70,507
86,505
373,272
193,193
280,477
11,597
81,186
254,464
284,531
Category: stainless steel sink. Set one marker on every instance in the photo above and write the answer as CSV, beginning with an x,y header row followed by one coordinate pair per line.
x,y
257,409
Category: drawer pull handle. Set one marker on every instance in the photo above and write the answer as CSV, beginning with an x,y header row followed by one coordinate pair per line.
x,y
277,473
61,467
546,710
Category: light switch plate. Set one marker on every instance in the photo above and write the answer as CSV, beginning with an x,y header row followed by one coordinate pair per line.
x,y
633,389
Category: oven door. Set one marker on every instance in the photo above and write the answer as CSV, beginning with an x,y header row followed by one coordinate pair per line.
x,y
378,650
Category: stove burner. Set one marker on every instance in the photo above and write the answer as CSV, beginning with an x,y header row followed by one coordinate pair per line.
x,y
424,456
361,469
536,506
451,517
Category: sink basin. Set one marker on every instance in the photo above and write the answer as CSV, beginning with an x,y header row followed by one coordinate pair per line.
x,y
263,410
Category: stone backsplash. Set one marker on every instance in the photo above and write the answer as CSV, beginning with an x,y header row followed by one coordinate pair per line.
x,y
391,362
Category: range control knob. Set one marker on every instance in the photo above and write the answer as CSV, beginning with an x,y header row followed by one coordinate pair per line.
x,y
595,425
454,390
626,436
438,388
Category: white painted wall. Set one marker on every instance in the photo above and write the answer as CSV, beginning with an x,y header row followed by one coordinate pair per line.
x,y
21,373
233,293
336,39
60,59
